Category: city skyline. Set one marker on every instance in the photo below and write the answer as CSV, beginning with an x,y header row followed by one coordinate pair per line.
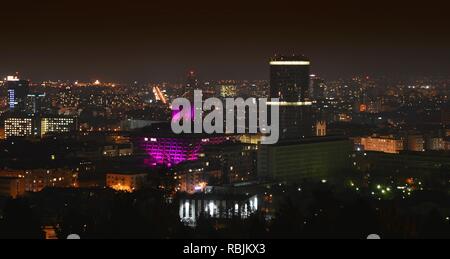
x,y
228,40
152,120
179,77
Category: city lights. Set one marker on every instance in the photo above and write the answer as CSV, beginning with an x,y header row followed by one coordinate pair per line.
x,y
246,122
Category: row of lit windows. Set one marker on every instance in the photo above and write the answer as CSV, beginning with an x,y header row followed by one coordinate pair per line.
x,y
22,127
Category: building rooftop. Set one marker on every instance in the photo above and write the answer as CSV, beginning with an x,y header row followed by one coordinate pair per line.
x,y
293,57
312,140
215,196
164,130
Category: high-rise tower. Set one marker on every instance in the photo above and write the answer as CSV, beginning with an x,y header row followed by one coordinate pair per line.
x,y
17,94
290,82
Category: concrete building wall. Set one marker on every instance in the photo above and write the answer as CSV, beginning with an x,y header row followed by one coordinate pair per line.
x,y
315,160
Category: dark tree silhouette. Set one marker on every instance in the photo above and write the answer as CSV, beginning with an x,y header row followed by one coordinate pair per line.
x,y
19,221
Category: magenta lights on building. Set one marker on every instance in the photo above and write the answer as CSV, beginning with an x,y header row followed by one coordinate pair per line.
x,y
171,151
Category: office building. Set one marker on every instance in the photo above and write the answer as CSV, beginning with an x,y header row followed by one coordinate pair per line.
x,y
35,103
35,180
435,144
237,161
216,206
20,127
133,124
25,126
416,143
193,177
385,144
17,94
290,78
315,159
318,88
290,83
126,182
228,90
57,125
118,150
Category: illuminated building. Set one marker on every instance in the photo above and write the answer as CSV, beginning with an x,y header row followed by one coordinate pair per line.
x,y
27,126
194,177
216,206
344,117
289,78
36,180
237,161
227,163
57,125
126,182
250,139
435,144
386,144
118,150
133,124
20,127
170,151
228,91
35,103
290,83
416,143
317,88
314,159
12,187
374,106
17,93
321,128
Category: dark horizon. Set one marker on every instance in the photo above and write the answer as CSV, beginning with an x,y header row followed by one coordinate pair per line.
x,y
160,41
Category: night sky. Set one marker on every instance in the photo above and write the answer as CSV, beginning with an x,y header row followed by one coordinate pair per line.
x,y
161,40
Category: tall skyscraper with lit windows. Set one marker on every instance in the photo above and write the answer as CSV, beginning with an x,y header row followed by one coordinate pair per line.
x,y
34,103
289,78
317,88
290,83
17,94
